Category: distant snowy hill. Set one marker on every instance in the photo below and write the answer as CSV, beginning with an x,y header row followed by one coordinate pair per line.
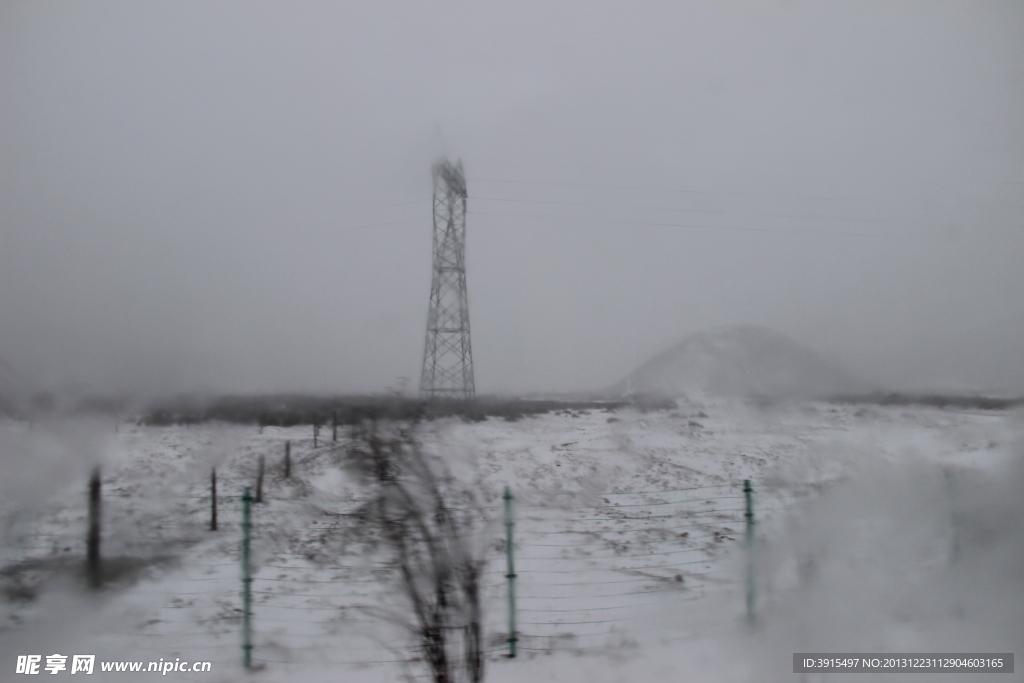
x,y
738,362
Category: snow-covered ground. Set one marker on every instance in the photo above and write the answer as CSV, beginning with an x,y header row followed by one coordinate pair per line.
x,y
878,529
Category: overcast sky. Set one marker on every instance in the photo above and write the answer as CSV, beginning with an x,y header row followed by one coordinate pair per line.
x,y
236,196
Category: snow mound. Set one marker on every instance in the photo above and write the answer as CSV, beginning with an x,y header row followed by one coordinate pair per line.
x,y
739,362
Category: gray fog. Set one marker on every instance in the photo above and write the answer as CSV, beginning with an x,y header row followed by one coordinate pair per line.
x,y
235,197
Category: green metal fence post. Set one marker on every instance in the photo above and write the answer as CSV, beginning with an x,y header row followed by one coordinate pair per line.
x,y
246,579
510,574
748,492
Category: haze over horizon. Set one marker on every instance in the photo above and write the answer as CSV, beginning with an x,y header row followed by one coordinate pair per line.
x,y
235,197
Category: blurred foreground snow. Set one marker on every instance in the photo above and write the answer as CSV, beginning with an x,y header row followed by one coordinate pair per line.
x,y
880,529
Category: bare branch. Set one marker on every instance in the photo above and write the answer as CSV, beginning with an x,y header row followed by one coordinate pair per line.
x,y
413,503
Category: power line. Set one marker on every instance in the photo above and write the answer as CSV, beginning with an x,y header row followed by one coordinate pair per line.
x,y
378,225
688,226
598,185
591,204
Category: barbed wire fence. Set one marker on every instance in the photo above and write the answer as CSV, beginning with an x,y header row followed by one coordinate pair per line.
x,y
587,568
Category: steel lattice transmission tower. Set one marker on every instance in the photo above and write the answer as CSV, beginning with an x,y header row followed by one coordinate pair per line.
x,y
447,354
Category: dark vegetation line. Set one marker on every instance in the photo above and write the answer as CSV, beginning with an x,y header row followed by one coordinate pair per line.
x,y
289,410
932,400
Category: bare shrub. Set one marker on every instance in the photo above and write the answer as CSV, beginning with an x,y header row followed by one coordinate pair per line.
x,y
426,517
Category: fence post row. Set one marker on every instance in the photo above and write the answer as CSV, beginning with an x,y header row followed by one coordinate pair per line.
x,y
510,574
94,568
246,579
748,492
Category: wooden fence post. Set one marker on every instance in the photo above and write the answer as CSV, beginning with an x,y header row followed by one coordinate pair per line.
x,y
259,482
213,499
94,569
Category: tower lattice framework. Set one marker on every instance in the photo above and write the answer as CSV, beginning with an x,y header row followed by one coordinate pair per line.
x,y
447,354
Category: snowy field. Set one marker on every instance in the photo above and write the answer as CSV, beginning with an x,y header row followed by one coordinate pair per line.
x,y
891,529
